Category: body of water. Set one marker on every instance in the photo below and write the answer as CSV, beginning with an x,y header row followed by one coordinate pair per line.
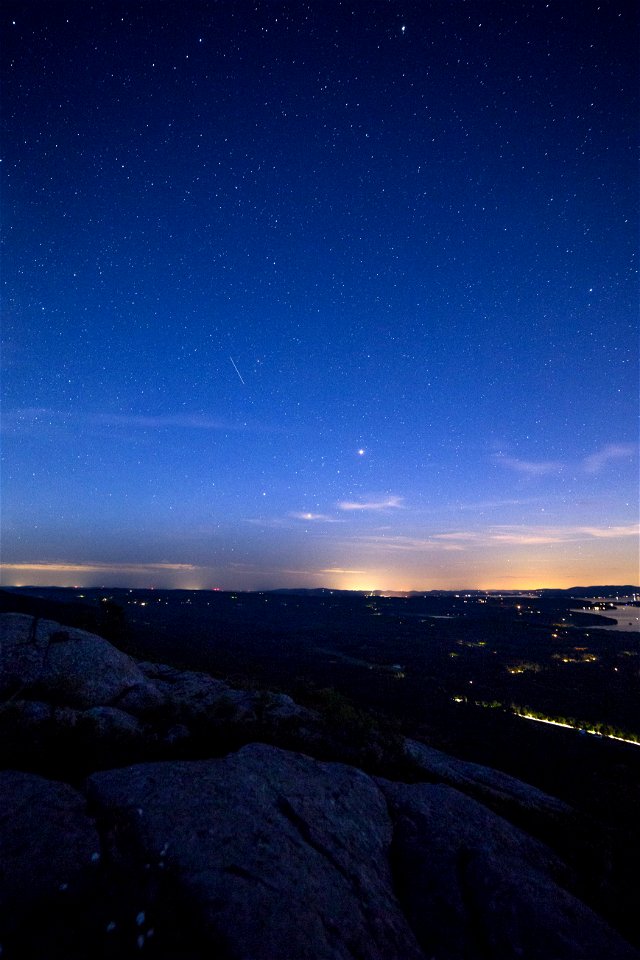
x,y
628,618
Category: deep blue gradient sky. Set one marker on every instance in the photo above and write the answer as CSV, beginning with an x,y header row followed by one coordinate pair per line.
x,y
320,293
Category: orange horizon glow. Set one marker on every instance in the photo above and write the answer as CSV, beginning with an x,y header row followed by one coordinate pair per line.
x,y
193,577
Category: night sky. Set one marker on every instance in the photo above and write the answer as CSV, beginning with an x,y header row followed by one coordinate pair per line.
x,y
319,294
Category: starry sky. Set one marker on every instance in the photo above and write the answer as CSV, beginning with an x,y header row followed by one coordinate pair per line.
x,y
319,293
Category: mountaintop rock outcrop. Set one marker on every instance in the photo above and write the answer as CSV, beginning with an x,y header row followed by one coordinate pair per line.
x,y
253,849
62,665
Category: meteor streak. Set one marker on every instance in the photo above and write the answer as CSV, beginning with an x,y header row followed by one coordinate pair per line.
x,y
238,372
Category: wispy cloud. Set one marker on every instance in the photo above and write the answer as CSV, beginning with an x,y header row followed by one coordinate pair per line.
x,y
627,530
592,464
292,571
458,535
525,539
272,523
313,517
61,566
516,536
291,520
413,544
32,420
181,421
390,503
34,413
613,451
532,536
499,504
43,417
459,541
532,468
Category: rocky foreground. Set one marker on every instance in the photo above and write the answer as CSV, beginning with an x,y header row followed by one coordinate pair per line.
x,y
161,826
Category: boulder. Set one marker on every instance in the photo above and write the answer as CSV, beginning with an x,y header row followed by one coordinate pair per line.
x,y
144,700
501,792
43,660
473,885
273,855
65,742
110,723
279,707
191,696
194,697
22,653
49,852
270,855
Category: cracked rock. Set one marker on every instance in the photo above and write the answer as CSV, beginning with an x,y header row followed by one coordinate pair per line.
x,y
277,855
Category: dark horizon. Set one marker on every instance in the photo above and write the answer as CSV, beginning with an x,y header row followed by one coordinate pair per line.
x,y
323,589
